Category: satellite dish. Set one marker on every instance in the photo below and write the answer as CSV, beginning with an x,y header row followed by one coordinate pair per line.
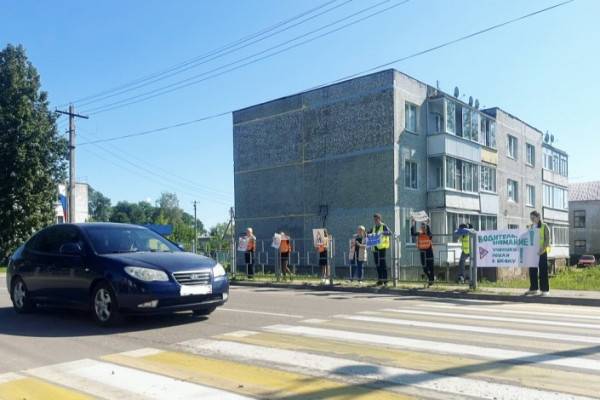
x,y
477,104
456,92
547,137
551,138
471,101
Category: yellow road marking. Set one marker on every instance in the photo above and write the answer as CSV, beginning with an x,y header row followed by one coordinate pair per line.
x,y
249,379
37,389
520,375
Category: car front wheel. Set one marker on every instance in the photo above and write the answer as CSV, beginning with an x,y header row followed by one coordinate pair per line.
x,y
104,305
20,297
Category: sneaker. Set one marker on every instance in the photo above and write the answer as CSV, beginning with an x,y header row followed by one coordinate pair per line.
x,y
545,294
532,293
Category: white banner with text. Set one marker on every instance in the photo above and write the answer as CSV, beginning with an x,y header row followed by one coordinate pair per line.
x,y
508,248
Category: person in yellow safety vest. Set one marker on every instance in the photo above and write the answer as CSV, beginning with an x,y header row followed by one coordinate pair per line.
x,y
425,246
380,251
538,277
464,239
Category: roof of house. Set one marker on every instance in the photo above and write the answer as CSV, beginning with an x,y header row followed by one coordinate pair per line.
x,y
584,191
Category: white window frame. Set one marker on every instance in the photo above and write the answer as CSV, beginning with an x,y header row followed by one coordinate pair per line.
x,y
530,196
515,190
512,147
408,106
530,154
411,171
487,179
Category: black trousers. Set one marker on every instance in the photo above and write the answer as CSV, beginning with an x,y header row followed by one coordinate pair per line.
x,y
380,263
538,277
427,263
250,262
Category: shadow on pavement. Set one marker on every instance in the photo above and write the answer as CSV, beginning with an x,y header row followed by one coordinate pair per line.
x,y
51,322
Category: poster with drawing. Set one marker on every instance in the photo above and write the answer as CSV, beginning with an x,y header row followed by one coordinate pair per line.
x,y
276,241
320,237
243,243
508,248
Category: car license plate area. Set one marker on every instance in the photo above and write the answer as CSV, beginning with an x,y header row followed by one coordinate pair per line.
x,y
186,290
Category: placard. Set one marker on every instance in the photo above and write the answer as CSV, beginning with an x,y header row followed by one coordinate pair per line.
x,y
276,241
243,243
508,248
320,237
419,216
373,239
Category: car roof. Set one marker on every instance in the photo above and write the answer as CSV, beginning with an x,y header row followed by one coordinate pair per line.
x,y
87,225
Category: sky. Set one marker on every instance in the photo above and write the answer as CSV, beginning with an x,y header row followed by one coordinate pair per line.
x,y
543,69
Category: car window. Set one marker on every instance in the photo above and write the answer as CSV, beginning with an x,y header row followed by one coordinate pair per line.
x,y
51,239
124,239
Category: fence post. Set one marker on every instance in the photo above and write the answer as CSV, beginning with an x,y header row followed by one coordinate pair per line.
x,y
331,261
473,257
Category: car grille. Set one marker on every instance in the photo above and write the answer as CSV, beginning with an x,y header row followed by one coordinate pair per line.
x,y
192,278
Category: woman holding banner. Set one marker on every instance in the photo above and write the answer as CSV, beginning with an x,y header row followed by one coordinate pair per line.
x,y
544,248
249,253
425,246
358,254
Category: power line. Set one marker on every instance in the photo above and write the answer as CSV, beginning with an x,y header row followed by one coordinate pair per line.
x,y
445,44
193,60
184,83
166,173
205,59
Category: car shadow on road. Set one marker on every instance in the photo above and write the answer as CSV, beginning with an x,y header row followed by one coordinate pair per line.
x,y
52,322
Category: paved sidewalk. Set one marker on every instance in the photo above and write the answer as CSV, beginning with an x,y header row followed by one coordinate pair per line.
x,y
569,297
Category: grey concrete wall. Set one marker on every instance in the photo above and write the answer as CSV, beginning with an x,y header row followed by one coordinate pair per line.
x,y
508,168
332,146
591,232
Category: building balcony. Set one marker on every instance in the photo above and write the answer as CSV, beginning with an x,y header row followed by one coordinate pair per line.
x,y
445,144
446,198
554,215
555,178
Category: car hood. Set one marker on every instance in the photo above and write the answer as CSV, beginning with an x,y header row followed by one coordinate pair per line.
x,y
171,262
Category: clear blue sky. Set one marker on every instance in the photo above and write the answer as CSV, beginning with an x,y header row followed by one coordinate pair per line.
x,y
544,70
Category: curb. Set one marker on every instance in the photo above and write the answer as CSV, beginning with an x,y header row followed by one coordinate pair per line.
x,y
456,294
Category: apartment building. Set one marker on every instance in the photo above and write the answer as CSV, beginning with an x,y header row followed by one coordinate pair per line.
x,y
385,143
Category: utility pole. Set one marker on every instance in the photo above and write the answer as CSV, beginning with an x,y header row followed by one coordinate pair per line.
x,y
233,248
195,229
71,189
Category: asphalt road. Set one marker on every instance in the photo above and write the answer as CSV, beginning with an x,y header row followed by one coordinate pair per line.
x,y
296,344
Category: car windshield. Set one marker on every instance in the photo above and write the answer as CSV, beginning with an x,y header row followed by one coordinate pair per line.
x,y
112,240
587,257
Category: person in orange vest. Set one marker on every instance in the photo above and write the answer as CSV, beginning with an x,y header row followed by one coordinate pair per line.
x,y
249,253
425,246
323,258
285,248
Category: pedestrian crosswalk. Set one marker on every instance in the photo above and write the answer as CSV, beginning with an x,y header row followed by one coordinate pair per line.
x,y
417,349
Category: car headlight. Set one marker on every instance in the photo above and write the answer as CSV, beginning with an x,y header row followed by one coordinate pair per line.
x,y
147,274
218,271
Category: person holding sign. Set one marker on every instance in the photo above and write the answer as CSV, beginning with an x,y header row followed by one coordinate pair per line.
x,y
249,252
358,254
321,244
380,250
285,248
425,246
544,249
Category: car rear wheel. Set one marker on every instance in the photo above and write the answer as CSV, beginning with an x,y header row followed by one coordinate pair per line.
x,y
104,305
20,297
204,311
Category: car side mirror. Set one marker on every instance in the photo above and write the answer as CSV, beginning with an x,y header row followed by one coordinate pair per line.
x,y
70,249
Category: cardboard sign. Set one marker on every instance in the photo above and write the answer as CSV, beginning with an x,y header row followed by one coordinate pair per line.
x,y
243,243
508,248
276,241
420,216
373,239
320,237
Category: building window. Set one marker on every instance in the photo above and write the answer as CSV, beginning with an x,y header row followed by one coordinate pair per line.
x,y
512,147
581,245
450,116
410,174
555,197
530,196
466,122
409,239
461,175
563,167
513,190
560,235
488,132
530,155
475,126
488,223
579,219
513,226
410,117
488,179
556,162
454,220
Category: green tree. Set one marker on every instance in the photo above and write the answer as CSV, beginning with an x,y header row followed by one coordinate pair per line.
x,y
99,206
32,155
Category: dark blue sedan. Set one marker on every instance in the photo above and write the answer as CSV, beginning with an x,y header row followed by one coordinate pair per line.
x,y
112,270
